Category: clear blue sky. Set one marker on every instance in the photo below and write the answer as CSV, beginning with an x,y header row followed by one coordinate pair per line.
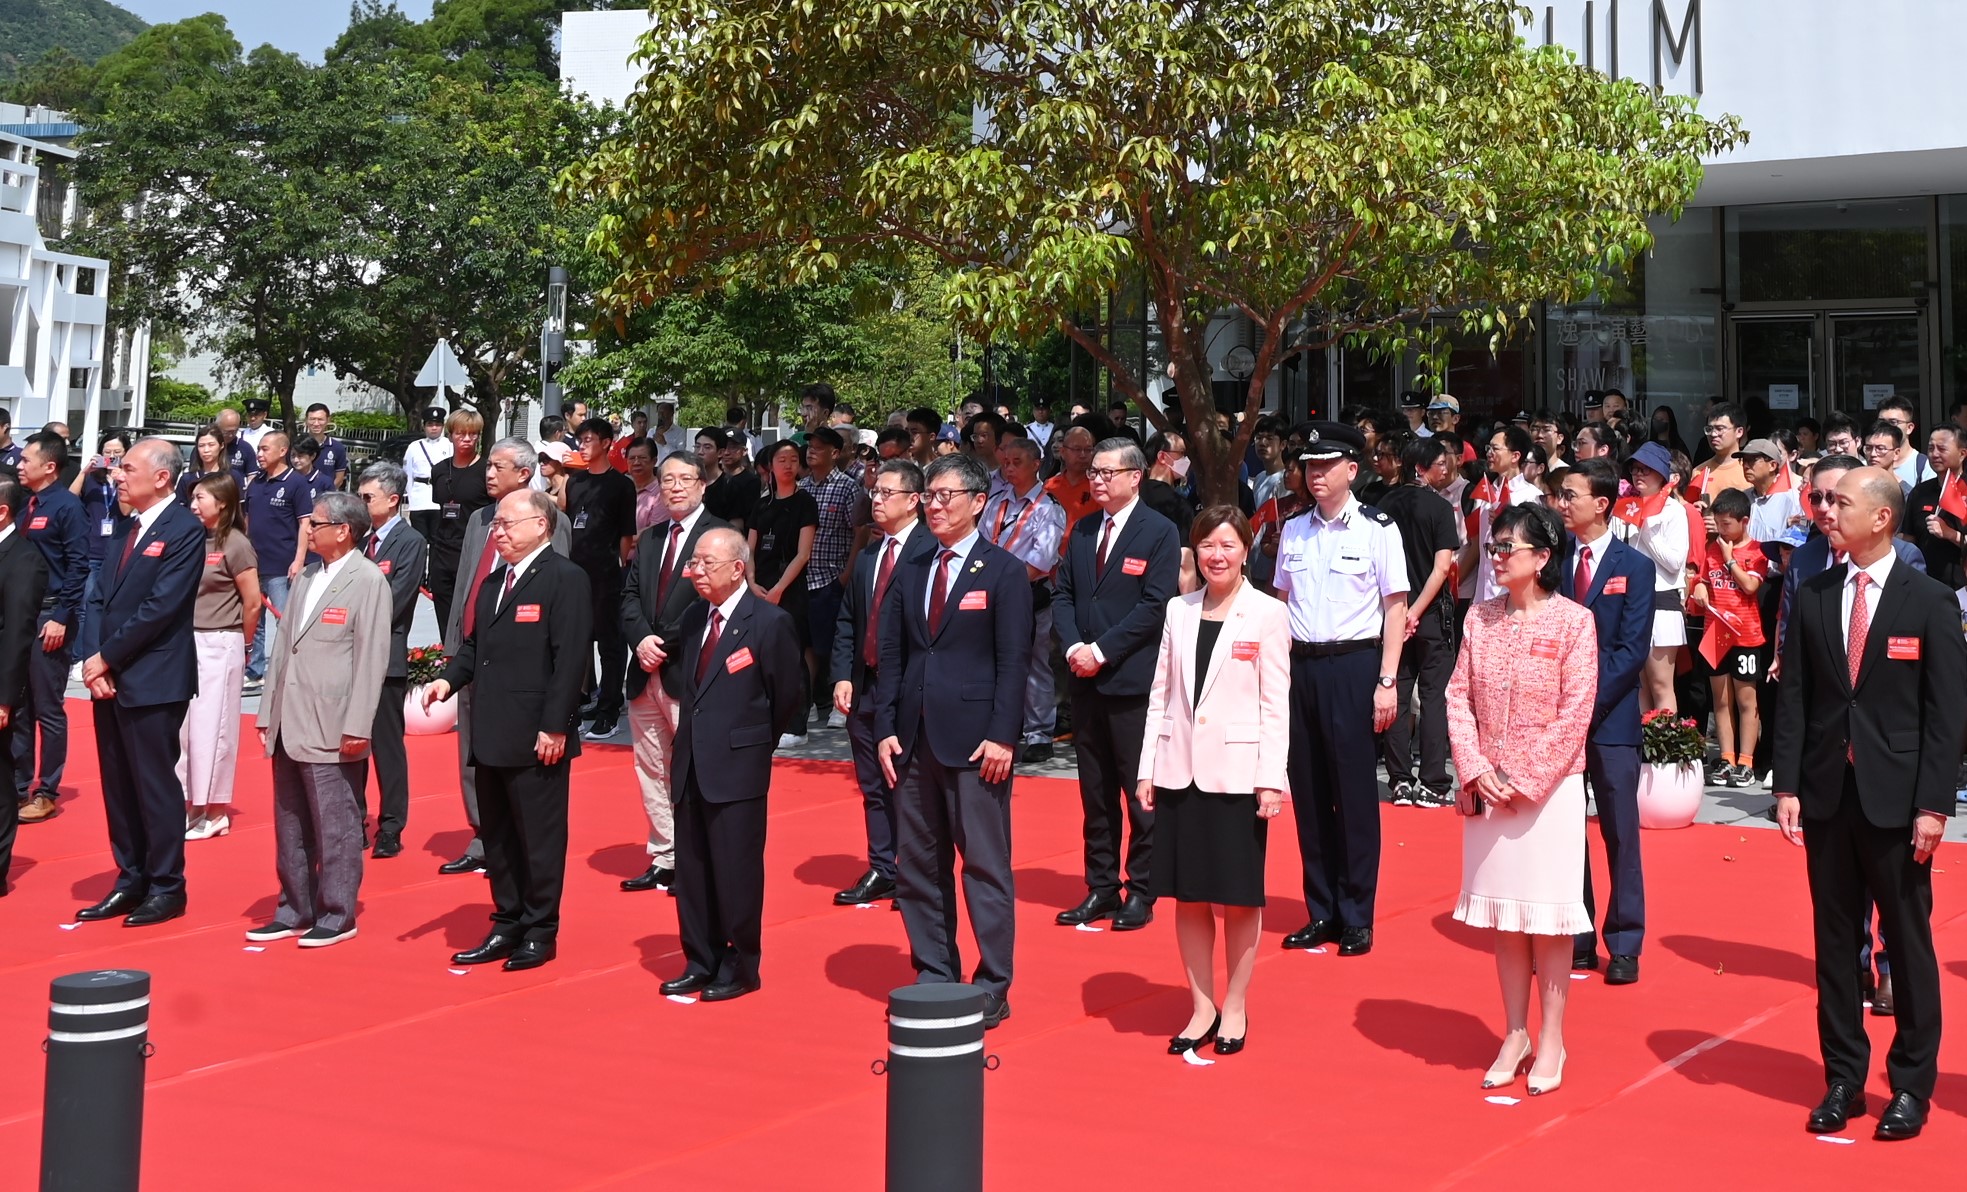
x,y
304,27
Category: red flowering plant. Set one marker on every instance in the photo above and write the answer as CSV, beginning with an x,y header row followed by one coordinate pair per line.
x,y
426,664
1666,739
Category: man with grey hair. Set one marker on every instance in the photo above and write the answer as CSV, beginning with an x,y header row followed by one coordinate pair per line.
x,y
399,552
509,467
323,683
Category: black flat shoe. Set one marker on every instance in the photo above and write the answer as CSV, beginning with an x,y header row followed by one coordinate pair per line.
x,y
1136,914
388,844
1357,941
1315,934
1228,1046
1904,1117
653,878
120,902
464,864
1842,1102
729,990
495,947
871,888
1585,961
996,1009
686,984
1096,906
529,955
159,908
1623,970
1180,1043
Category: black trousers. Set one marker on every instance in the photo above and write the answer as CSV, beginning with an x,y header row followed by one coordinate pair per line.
x,y
877,797
1428,659
9,808
424,522
1614,774
389,760
47,712
1849,859
1333,788
441,576
605,587
720,883
138,752
942,812
522,814
1106,742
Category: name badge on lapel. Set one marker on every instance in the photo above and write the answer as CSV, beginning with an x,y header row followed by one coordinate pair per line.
x,y
1134,566
1545,649
385,565
974,601
334,616
526,614
1243,651
739,659
154,551
1904,649
214,557
1616,586
39,523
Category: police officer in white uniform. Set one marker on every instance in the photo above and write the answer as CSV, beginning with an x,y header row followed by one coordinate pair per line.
x,y
1343,576
419,458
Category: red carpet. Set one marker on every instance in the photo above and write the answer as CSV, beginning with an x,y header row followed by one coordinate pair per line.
x,y
371,1066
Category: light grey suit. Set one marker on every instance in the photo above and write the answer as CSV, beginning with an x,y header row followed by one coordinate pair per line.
x,y
322,684
478,540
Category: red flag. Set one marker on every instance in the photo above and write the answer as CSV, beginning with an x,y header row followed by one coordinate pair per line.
x,y
1697,484
1721,635
1784,480
1635,509
1953,498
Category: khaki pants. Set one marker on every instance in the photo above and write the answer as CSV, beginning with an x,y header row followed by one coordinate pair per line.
x,y
652,725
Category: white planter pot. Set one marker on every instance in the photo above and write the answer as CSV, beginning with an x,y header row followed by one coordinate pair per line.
x,y
441,718
1669,796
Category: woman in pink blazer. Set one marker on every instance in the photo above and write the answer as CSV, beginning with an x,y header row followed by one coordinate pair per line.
x,y
1212,769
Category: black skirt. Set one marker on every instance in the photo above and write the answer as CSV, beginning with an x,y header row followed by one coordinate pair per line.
x,y
1208,848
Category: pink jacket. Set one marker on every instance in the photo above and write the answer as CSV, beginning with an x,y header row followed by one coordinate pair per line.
x,y
1235,739
1521,695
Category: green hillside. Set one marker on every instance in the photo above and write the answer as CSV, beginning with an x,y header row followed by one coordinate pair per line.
x,y
87,29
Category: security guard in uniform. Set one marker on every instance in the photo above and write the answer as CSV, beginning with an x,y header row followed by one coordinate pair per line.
x,y
1343,576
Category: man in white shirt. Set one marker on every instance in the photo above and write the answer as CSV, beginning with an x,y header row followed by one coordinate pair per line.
x,y
1773,503
419,458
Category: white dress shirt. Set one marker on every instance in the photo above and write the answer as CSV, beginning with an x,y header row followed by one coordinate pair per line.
x,y
900,539
1877,571
519,569
724,611
319,583
1334,576
418,461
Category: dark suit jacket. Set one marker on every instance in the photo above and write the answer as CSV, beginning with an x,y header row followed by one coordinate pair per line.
x,y
641,617
965,682
1903,722
529,670
1625,636
1811,559
401,560
478,540
23,582
1119,613
734,717
857,602
145,609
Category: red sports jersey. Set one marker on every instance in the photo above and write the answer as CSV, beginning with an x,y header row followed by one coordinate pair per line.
x,y
1737,610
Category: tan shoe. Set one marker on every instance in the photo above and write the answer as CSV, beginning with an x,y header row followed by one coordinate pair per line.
x,y
39,808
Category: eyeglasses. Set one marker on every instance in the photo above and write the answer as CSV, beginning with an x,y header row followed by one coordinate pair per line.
x,y
889,494
943,496
1877,448
700,565
506,524
1503,550
1900,421
316,523
679,481
1821,498
1106,475
1718,428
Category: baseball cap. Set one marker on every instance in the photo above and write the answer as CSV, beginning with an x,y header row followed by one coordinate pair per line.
x,y
1762,447
1445,401
556,451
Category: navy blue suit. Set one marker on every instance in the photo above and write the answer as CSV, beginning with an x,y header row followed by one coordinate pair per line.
x,y
143,603
55,523
943,693
1624,619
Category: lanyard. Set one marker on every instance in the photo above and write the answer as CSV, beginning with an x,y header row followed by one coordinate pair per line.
x,y
1030,508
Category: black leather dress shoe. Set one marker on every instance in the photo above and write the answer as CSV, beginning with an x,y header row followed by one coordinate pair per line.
x,y
1881,999
1904,1117
388,844
464,864
1623,970
1582,961
1315,934
1096,906
529,955
996,1009
120,902
1356,941
725,991
686,984
158,908
495,947
655,877
1842,1102
871,888
1136,914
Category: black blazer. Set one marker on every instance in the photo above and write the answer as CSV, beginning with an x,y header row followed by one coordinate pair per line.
x,y
145,608
857,601
1625,635
529,658
747,698
1119,613
401,560
1903,722
23,582
966,681
641,617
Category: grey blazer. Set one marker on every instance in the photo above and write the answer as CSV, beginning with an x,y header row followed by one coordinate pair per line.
x,y
401,559
326,672
477,540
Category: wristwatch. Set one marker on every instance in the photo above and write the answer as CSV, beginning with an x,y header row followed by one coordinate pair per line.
x,y
1386,680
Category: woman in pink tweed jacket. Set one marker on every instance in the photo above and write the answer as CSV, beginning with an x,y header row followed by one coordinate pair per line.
x,y
1518,707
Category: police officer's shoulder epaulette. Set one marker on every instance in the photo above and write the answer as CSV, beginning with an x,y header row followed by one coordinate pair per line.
x,y
1376,514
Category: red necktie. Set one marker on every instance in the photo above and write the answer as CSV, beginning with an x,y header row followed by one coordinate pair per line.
x,y
709,646
668,562
1855,640
870,655
1581,583
939,594
505,593
485,562
129,546
1099,557
375,544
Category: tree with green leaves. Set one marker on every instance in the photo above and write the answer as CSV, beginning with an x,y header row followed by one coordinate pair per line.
x,y
1334,171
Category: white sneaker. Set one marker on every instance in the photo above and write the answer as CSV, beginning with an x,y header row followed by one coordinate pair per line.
x,y
836,719
208,826
792,740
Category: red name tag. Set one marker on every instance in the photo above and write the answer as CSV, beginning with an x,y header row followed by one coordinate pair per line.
x,y
1616,586
739,659
1544,650
526,613
334,616
1904,648
974,600
1243,651
39,523
154,551
385,565
214,558
1133,566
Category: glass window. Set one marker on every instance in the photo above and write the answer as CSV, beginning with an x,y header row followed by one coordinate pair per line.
x,y
1953,298
1828,252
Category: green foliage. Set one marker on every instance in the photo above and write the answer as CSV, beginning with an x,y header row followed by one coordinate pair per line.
x,y
79,31
57,79
486,41
385,420
1666,739
1334,170
172,400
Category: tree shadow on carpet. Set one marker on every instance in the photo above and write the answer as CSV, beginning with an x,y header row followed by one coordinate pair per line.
x,y
463,928
833,871
448,845
1133,1005
871,970
1473,938
1049,887
1752,1067
662,955
1743,960
1958,968
619,860
1435,1035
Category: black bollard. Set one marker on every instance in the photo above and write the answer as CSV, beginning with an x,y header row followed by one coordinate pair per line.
x,y
935,1088
92,1112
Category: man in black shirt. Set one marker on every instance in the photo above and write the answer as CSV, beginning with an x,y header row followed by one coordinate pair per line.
x,y
1428,535
1167,467
601,510
1934,518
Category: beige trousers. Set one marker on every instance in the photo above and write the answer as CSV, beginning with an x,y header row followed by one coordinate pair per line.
x,y
652,723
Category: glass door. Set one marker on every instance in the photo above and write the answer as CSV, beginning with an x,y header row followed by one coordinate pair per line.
x,y
1873,357
1776,366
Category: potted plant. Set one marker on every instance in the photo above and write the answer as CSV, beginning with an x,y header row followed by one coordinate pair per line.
x,y
1670,785
426,665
